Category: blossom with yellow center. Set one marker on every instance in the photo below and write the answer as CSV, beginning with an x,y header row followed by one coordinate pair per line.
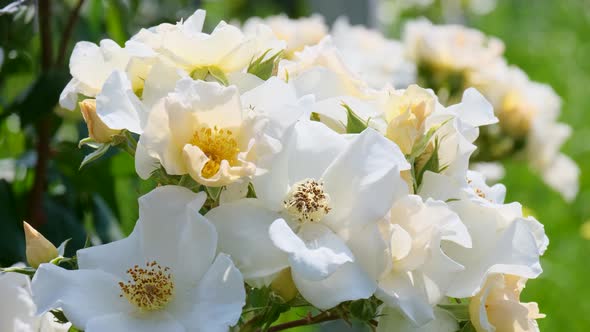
x,y
201,129
217,144
166,276
516,115
450,47
317,217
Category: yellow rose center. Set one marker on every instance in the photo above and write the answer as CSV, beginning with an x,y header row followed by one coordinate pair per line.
x,y
516,115
218,145
307,201
150,288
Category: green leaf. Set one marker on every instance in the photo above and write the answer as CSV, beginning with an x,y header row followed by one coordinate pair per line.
x,y
90,142
22,270
251,191
354,124
432,164
60,317
468,328
218,74
213,192
94,155
363,310
115,12
459,311
264,68
61,250
421,145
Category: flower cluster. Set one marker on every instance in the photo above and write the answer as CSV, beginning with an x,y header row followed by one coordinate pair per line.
x,y
286,179
449,59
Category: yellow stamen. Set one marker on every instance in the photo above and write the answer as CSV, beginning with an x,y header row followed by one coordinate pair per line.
x,y
150,288
217,144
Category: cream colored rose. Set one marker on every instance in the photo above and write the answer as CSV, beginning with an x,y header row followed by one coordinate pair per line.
x,y
450,47
405,115
297,33
202,130
497,306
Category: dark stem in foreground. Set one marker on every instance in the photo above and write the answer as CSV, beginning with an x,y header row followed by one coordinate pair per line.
x,y
309,320
43,127
67,33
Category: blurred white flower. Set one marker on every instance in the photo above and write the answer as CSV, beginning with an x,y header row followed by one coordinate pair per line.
x,y
449,47
528,111
164,277
377,60
492,171
307,218
17,310
297,33
321,71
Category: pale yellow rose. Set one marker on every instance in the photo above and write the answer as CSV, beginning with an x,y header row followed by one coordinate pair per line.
x,y
497,306
405,115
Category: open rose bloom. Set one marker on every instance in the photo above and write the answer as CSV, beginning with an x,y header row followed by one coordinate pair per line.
x,y
300,168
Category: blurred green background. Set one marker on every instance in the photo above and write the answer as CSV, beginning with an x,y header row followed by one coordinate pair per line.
x,y
549,39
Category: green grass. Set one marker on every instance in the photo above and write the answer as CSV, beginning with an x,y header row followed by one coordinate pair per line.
x,y
550,40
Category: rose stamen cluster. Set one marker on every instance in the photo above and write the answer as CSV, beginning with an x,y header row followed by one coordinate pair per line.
x,y
217,144
151,287
307,201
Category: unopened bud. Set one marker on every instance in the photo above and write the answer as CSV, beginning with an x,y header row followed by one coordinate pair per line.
x,y
39,249
284,286
97,130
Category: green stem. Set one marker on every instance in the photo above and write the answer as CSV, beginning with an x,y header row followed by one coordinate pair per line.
x,y
309,320
127,149
131,140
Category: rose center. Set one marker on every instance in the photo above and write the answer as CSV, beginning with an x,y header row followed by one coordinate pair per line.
x,y
150,287
307,201
218,145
